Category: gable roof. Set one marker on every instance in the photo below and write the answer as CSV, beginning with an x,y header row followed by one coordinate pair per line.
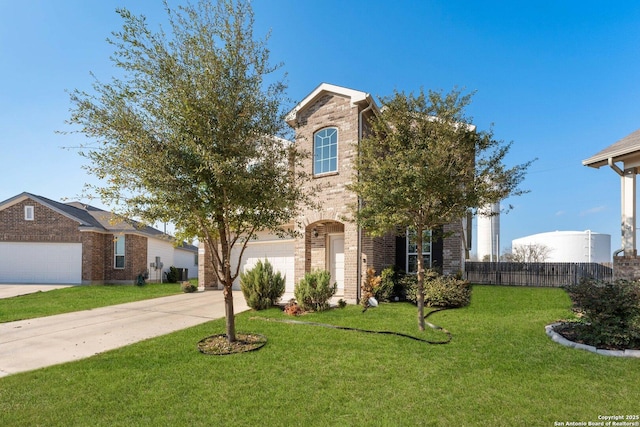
x,y
356,96
81,216
627,147
90,217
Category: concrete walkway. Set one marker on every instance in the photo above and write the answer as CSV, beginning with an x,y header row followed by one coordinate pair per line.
x,y
35,343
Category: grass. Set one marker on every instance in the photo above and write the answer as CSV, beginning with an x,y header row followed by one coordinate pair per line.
x,y
77,298
499,370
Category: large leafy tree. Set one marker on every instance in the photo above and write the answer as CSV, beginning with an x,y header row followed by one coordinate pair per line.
x,y
424,165
191,131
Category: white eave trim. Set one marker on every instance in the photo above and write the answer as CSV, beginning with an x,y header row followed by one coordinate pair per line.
x,y
356,97
617,155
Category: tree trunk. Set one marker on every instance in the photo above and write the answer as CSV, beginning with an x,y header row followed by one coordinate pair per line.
x,y
223,275
228,283
228,310
228,299
420,296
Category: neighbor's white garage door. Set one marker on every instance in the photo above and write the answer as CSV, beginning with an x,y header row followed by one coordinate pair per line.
x,y
22,262
279,253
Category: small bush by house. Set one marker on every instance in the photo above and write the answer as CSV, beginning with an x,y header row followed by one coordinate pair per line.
x,y
315,290
370,283
447,291
172,275
609,313
384,291
261,286
379,287
188,287
407,287
439,291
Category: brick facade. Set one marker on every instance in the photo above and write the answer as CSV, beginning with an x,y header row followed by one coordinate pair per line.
x,y
93,256
135,258
329,110
47,225
453,249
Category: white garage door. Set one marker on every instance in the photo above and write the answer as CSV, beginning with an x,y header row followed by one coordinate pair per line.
x,y
22,262
279,253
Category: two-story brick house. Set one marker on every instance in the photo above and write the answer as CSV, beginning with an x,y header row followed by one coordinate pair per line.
x,y
329,124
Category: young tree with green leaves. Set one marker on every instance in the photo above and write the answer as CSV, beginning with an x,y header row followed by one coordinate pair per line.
x,y
424,165
192,131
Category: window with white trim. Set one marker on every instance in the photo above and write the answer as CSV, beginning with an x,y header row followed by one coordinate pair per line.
x,y
118,251
28,213
325,151
412,251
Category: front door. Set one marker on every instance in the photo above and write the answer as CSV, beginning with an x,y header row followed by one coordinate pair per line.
x,y
336,261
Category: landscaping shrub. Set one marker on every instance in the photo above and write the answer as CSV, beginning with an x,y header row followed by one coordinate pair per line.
x,y
292,308
261,286
379,287
609,312
172,275
188,287
384,291
407,288
371,282
439,291
446,291
314,291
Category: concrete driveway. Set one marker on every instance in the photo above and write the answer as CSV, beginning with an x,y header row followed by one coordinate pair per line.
x,y
35,343
10,290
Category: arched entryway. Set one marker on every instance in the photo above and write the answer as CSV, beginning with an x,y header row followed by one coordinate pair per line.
x,y
325,250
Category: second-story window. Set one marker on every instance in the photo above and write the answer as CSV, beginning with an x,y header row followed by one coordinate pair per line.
x,y
325,151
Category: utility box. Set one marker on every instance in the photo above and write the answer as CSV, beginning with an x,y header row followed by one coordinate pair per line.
x,y
183,274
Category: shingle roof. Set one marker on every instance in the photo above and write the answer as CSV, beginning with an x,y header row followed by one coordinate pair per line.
x,y
109,221
618,151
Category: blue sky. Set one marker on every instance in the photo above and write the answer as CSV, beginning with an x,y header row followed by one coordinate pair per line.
x,y
558,78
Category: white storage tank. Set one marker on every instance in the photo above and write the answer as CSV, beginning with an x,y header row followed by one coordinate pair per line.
x,y
489,233
570,246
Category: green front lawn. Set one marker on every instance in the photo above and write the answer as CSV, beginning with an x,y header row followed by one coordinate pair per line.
x,y
499,370
78,298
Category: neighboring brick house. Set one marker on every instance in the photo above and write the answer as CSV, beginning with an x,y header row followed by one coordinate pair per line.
x,y
329,124
44,241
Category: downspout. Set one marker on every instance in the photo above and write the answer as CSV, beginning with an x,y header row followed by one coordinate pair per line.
x,y
615,167
620,172
359,251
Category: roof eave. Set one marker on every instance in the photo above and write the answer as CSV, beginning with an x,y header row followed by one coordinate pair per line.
x,y
595,162
25,195
357,97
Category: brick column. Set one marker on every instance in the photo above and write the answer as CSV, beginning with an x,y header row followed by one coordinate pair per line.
x,y
206,274
453,249
626,267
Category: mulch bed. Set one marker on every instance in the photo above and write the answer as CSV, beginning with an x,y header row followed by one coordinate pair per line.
x,y
218,345
575,331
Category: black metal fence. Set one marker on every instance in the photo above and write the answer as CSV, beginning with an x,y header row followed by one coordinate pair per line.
x,y
535,273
